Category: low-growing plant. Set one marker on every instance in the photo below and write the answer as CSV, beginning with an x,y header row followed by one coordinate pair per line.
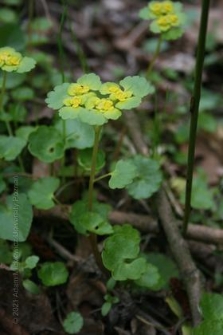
x,y
83,108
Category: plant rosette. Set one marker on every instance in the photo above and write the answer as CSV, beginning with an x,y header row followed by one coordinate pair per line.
x,y
95,103
167,18
11,60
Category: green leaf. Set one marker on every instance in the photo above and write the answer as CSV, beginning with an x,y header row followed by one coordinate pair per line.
x,y
105,308
47,144
123,174
92,117
148,177
209,327
12,35
149,278
15,218
91,80
24,132
52,274
31,262
212,306
129,103
73,323
13,79
84,224
7,16
23,93
166,269
26,64
78,134
173,34
11,147
93,223
120,254
138,85
85,158
132,270
31,287
69,113
42,191
212,309
56,97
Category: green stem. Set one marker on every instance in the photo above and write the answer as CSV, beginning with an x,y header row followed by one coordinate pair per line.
x,y
7,124
93,167
194,109
93,237
103,176
4,77
156,54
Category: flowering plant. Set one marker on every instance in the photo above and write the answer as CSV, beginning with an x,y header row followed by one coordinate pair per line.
x,y
167,18
95,103
11,60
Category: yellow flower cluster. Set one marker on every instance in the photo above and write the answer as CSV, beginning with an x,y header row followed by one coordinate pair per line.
x,y
9,58
165,14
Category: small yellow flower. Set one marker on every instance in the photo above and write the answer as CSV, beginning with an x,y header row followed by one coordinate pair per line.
x,y
155,8
9,57
166,22
104,105
72,102
167,7
161,8
121,95
174,20
78,89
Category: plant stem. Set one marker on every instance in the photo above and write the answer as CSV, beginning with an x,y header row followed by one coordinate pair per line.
x,y
156,54
7,124
93,237
93,167
194,109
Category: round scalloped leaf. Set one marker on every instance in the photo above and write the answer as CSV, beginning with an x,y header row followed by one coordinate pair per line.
x,y
73,323
26,64
150,278
56,97
85,158
209,327
78,134
145,13
94,223
122,245
166,267
112,114
46,143
11,147
123,174
173,34
129,103
138,85
52,274
80,207
212,306
129,270
41,193
24,132
148,177
69,113
15,218
91,80
92,117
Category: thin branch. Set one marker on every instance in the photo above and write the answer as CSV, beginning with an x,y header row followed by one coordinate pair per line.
x,y
180,250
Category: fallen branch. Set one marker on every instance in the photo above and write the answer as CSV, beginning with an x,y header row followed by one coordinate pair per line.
x,y
145,223
180,250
